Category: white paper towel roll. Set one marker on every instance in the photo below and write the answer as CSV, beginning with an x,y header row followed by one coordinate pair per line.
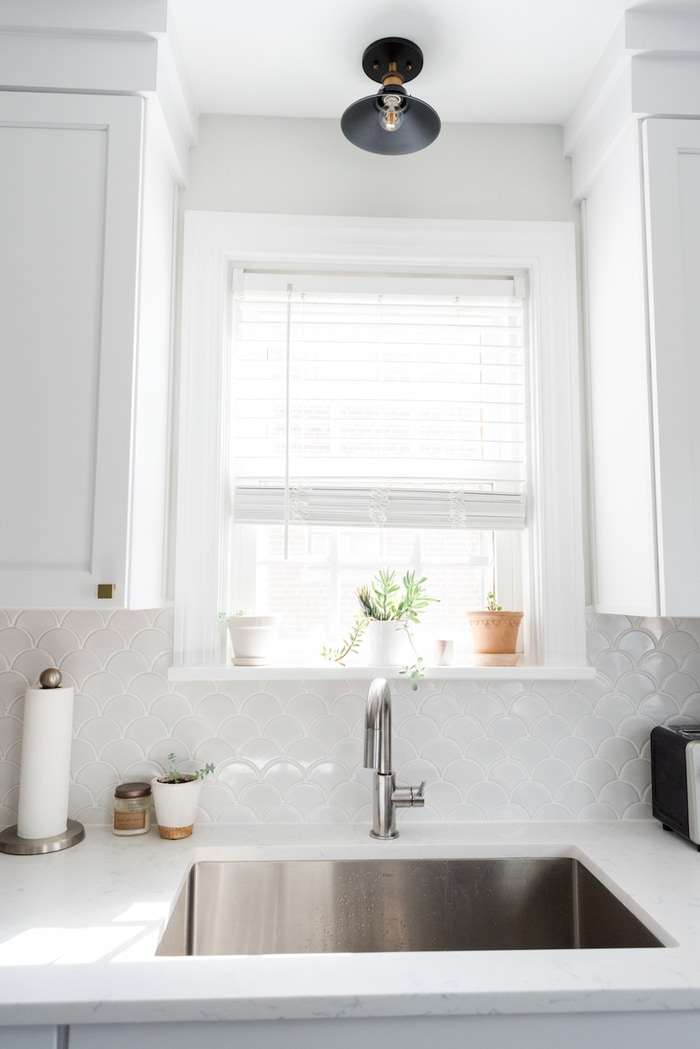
x,y
44,775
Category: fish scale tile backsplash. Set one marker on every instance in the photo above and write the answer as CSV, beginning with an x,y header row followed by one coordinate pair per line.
x,y
292,751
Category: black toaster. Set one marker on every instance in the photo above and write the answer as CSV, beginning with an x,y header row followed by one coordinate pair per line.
x,y
675,779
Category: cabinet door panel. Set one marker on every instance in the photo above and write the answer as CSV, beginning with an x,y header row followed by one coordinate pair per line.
x,y
672,160
69,212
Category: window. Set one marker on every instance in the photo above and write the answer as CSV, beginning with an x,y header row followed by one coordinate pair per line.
x,y
551,544
376,421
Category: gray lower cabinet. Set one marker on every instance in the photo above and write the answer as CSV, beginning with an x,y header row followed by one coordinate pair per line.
x,y
44,1037
495,1031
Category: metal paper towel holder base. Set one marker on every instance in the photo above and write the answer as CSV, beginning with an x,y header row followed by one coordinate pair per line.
x,y
11,842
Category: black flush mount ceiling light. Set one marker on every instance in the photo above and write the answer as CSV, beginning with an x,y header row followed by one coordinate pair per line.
x,y
391,122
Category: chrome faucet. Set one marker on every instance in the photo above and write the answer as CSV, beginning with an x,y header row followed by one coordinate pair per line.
x,y
386,796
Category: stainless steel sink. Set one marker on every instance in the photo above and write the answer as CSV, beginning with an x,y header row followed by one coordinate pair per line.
x,y
339,906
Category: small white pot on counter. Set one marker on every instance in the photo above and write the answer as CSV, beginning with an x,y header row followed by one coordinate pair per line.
x,y
252,638
176,806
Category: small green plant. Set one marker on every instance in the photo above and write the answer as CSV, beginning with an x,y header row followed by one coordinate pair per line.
x,y
173,775
383,600
491,605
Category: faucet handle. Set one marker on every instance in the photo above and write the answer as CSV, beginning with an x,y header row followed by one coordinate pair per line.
x,y
409,797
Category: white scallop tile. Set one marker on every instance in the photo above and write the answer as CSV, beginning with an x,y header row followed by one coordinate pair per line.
x,y
617,751
507,730
486,752
596,773
575,796
329,814
440,707
417,730
681,685
260,797
58,642
309,752
79,666
463,730
14,641
306,708
105,643
126,715
283,731
486,797
328,731
237,775
660,664
32,663
260,752
101,687
131,668
552,774
12,687
124,709
261,708
83,622
464,774
572,706
327,775
660,706
305,798
147,731
152,644
573,751
595,730
509,774
529,752
619,796
613,665
283,775
353,798
636,643
122,754
485,708
679,644
441,752
169,708
613,708
551,729
191,733
283,814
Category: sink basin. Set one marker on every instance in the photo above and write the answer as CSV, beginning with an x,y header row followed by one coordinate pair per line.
x,y
340,906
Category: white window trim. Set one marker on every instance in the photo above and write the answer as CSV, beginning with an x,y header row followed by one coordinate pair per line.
x,y
545,251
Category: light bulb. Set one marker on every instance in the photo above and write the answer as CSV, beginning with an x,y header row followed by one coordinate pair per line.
x,y
390,115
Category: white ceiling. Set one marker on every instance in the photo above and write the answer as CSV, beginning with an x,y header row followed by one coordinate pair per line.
x,y
501,61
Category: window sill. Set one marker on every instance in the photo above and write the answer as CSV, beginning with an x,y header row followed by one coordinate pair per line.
x,y
521,672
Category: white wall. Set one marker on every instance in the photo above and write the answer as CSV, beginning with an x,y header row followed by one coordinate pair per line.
x,y
472,171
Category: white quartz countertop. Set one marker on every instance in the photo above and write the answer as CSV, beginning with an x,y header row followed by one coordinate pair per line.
x,y
79,930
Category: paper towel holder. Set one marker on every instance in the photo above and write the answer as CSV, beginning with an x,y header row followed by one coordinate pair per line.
x,y
11,842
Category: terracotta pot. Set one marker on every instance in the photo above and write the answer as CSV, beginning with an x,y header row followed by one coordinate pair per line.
x,y
176,806
494,636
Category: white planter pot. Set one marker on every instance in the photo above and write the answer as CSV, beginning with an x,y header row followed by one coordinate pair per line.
x,y
252,638
176,806
385,644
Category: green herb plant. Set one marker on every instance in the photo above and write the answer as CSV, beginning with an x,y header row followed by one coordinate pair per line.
x,y
491,605
383,600
173,775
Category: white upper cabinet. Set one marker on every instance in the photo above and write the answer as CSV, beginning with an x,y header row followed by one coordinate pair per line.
x,y
642,237
672,207
87,214
635,147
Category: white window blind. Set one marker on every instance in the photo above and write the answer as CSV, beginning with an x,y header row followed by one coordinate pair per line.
x,y
377,400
